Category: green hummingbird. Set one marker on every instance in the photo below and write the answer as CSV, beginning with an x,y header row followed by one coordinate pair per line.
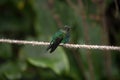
x,y
62,36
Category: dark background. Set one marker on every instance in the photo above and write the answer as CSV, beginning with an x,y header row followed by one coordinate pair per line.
x,y
94,22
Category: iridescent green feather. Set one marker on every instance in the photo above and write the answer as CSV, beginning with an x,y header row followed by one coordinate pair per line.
x,y
59,34
62,36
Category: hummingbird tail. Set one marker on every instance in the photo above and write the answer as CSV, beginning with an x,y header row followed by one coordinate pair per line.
x,y
54,45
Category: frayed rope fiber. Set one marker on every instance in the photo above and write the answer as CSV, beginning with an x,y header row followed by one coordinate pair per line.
x,y
98,47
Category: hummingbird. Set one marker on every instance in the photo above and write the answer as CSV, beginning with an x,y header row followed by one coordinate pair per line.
x,y
62,36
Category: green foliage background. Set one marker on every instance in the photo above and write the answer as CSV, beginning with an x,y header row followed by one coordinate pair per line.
x,y
38,20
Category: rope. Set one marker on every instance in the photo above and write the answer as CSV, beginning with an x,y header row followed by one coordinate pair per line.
x,y
99,47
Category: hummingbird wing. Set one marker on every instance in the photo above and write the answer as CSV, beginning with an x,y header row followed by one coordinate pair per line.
x,y
56,40
55,44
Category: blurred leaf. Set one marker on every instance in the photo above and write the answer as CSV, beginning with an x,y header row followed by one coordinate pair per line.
x,y
45,25
12,70
38,56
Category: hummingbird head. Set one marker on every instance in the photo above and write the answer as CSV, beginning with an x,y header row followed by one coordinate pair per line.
x,y
67,28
